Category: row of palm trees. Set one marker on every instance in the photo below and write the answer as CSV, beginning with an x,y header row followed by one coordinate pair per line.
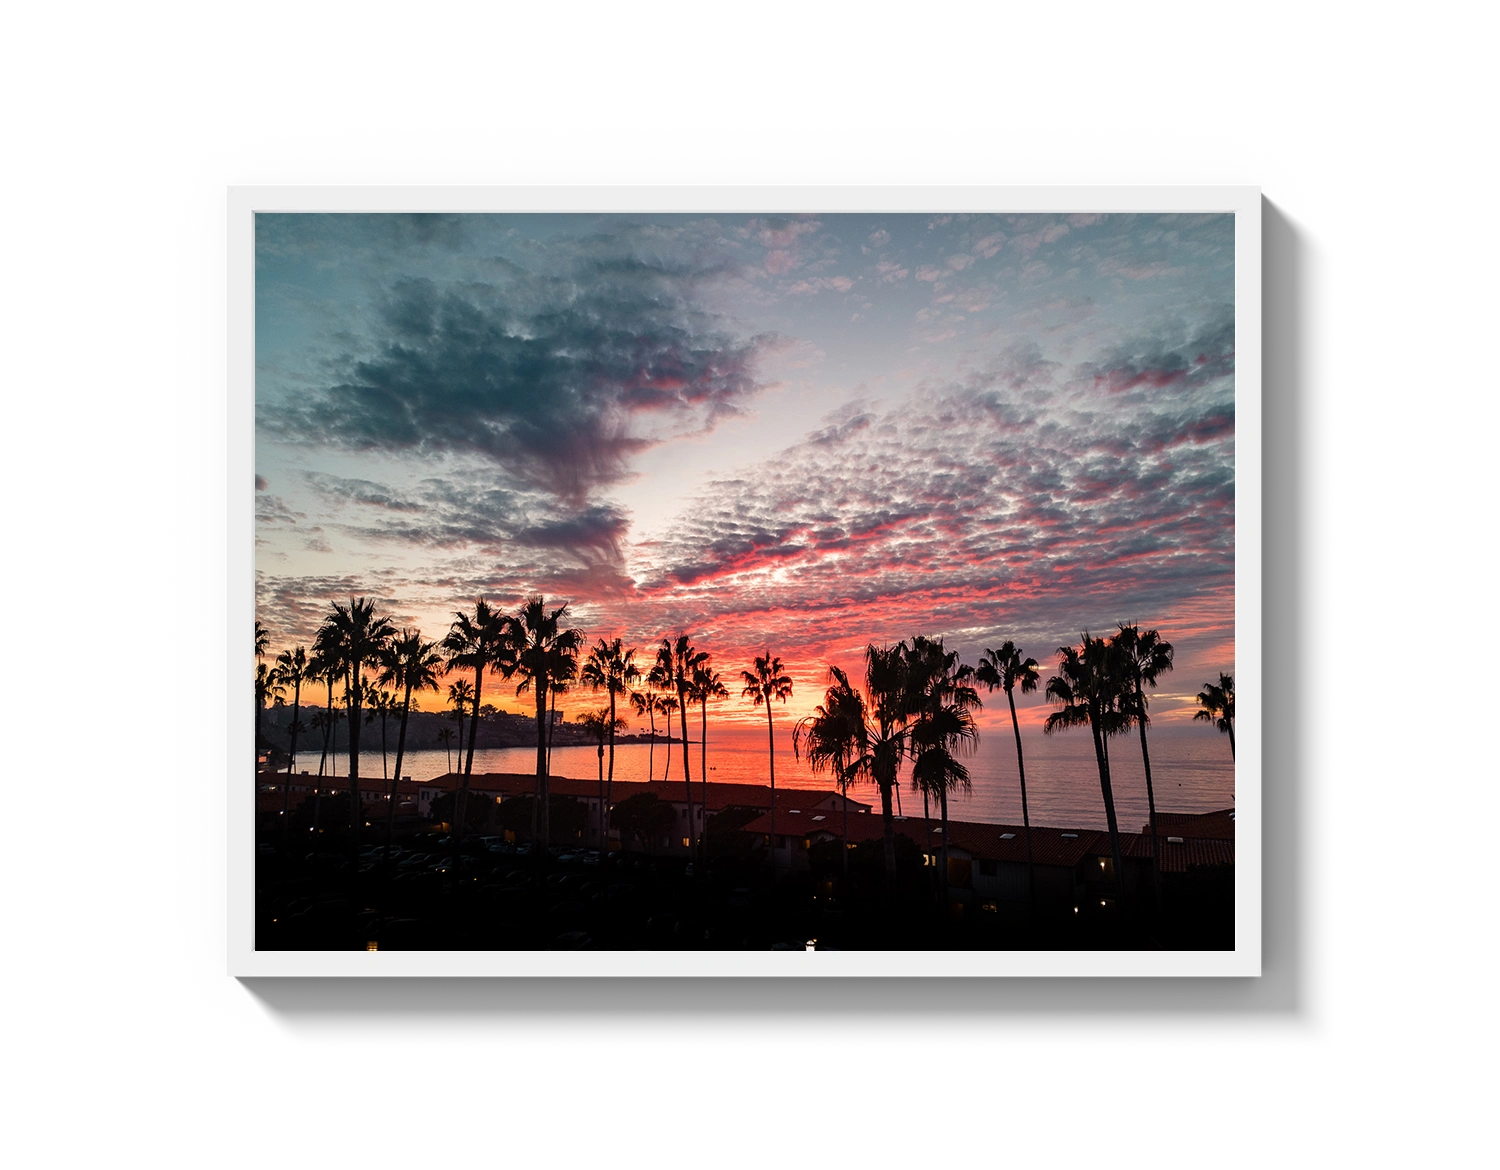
x,y
917,704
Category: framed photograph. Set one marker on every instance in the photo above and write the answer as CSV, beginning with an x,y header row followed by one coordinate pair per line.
x,y
744,581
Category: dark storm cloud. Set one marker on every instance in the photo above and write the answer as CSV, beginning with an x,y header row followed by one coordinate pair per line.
x,y
556,379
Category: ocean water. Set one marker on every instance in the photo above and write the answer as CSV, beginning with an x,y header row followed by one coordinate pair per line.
x,y
1191,771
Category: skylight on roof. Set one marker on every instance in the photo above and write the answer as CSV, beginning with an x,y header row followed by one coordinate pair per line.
x,y
819,817
1072,835
1174,840
1007,836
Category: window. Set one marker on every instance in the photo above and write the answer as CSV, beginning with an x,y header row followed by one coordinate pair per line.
x,y
685,843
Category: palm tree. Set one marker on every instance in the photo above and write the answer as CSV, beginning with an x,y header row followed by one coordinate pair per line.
x,y
706,685
1004,669
1088,690
445,737
562,683
943,705
612,667
262,639
1217,707
763,682
1143,658
666,705
888,688
676,660
323,665
644,703
541,649
292,668
836,737
478,642
360,639
460,696
601,725
410,665
268,688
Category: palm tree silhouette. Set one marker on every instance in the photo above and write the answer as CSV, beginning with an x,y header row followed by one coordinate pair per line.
x,y
268,688
1217,707
460,697
666,707
410,665
675,663
943,723
1088,689
323,664
262,639
612,667
359,639
542,649
292,667
1144,658
601,725
837,738
706,685
888,687
445,737
643,702
483,641
1005,669
764,681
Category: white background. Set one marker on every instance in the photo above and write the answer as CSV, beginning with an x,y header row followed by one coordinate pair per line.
x,y
1369,1039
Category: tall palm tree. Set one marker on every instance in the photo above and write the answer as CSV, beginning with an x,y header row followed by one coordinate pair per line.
x,y
480,641
445,737
1005,669
601,725
944,701
676,660
1216,703
666,706
1088,690
360,638
411,666
706,685
1143,658
643,702
562,683
889,692
292,667
324,665
764,681
268,689
542,649
262,639
460,698
610,667
837,738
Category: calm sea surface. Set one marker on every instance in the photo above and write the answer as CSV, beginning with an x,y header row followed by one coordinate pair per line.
x,y
1190,768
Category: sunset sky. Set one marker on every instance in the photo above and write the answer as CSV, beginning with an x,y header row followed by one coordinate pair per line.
x,y
799,434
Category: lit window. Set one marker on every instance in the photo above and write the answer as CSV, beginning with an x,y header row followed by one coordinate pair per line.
x,y
685,843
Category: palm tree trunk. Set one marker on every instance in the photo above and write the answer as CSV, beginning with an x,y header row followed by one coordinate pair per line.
x,y
651,751
601,797
1229,727
356,812
542,812
390,815
610,790
1107,790
666,772
889,825
687,766
1150,801
703,772
1025,811
461,803
846,829
291,764
943,883
771,753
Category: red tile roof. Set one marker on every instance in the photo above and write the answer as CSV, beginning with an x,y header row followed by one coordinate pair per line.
x,y
1217,825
